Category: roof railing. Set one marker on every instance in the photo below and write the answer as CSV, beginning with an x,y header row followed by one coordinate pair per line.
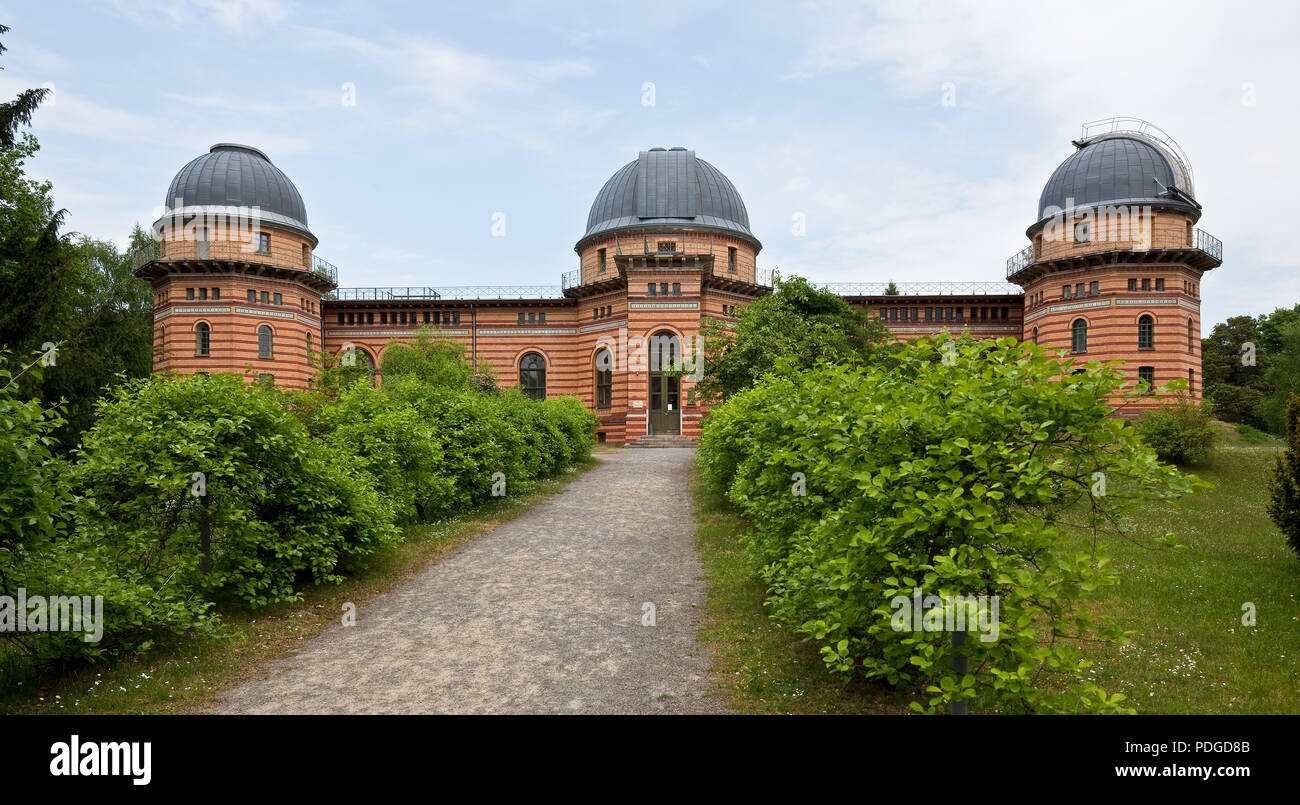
x,y
1143,128
448,293
922,288
1202,241
325,268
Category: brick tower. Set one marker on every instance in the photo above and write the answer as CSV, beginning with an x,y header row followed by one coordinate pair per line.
x,y
236,286
1115,266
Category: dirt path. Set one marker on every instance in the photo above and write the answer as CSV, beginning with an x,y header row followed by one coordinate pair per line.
x,y
541,615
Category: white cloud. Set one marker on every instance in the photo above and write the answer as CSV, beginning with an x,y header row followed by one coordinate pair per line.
x,y
233,15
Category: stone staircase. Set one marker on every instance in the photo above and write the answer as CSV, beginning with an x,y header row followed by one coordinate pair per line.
x,y
663,440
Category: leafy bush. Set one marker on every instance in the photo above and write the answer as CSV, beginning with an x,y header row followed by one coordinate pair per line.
x,y
1284,482
282,507
948,470
1180,432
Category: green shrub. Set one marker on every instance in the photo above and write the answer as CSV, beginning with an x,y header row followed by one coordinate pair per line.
x,y
1180,432
282,507
1284,482
946,470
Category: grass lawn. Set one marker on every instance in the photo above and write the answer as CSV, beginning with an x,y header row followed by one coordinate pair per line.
x,y
1191,653
183,674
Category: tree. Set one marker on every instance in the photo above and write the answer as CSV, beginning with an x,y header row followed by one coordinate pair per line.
x,y
17,112
1283,378
891,289
430,358
1284,482
1235,384
795,327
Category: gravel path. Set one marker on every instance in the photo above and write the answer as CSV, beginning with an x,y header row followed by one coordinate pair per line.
x,y
541,615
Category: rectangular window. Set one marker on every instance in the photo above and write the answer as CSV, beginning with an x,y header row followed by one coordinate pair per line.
x,y
428,317
541,317
1147,377
532,318
667,247
1094,288
1078,289
600,260
1005,311
1160,283
650,289
731,259
916,314
882,314
383,317
252,297
216,293
266,297
959,312
370,318
677,289
521,318
893,314
947,314
203,293
352,318
266,380
455,317
263,243
1132,284
340,315
595,313
1065,291
189,293
279,300
663,289
1146,284
929,314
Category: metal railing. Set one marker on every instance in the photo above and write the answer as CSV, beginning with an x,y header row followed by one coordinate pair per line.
x,y
461,292
1202,241
571,279
922,288
325,268
144,254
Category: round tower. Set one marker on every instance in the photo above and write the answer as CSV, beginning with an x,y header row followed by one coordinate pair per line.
x,y
1115,263
237,287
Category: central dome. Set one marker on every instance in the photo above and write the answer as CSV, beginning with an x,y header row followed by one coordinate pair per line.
x,y
233,176
668,188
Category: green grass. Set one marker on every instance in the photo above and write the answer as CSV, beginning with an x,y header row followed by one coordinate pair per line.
x,y
1250,435
183,674
1190,653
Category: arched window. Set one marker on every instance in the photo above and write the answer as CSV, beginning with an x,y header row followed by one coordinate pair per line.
x,y
604,379
1191,339
202,339
532,376
264,342
1079,336
1035,335
1146,333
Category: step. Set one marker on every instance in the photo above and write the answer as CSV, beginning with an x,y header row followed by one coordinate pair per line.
x,y
663,440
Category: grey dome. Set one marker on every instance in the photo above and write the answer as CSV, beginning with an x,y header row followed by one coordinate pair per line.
x,y
668,188
1117,169
232,175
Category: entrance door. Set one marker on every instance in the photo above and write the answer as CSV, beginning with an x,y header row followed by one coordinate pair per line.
x,y
665,414
665,405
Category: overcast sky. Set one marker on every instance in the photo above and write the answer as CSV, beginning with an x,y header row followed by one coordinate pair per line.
x,y
832,111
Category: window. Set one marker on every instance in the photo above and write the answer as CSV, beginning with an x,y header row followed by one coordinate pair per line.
x,y
203,293
893,314
266,297
1038,246
663,289
264,342
1065,291
352,318
263,243
370,318
1191,340
216,293
1146,333
595,313
650,289
266,380
532,318
1005,313
1078,289
202,339
604,379
201,249
306,258
1094,288
541,317
1160,283
308,347
677,289
1147,379
455,317
1189,234
252,298
521,318
1035,335
667,247
600,260
1132,284
340,315
1146,284
279,299
947,314
427,318
731,259
1191,381
1079,336
189,293
532,376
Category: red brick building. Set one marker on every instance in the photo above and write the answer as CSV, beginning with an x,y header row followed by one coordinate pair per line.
x,y
1112,273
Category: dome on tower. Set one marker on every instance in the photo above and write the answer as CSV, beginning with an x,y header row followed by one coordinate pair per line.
x,y
232,175
1121,167
668,188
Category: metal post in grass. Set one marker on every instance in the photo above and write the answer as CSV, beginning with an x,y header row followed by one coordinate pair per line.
x,y
959,666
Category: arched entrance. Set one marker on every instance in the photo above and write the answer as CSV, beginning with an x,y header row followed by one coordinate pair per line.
x,y
665,414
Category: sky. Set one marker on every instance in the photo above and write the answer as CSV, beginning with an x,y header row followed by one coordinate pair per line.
x,y
910,140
